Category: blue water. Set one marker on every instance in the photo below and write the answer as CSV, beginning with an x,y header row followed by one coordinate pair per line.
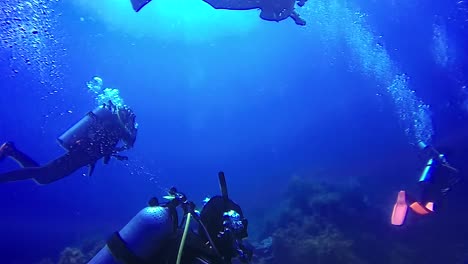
x,y
343,99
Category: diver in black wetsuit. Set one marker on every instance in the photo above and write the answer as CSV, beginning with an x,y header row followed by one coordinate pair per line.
x,y
94,137
436,180
271,10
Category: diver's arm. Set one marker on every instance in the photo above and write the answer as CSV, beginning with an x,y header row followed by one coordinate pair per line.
x,y
120,157
10,150
120,149
115,155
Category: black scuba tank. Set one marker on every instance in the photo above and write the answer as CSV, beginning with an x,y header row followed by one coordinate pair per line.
x,y
89,125
137,242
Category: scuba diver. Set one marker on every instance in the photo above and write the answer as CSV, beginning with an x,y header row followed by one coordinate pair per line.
x,y
436,180
95,136
155,235
271,10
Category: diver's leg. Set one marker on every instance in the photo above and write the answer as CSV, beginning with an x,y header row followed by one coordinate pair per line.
x,y
425,204
234,4
297,19
8,149
21,174
426,192
62,167
42,175
139,4
53,171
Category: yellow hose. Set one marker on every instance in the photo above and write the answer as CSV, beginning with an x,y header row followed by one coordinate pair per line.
x,y
184,236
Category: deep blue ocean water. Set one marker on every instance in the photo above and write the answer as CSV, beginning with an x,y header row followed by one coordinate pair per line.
x,y
343,99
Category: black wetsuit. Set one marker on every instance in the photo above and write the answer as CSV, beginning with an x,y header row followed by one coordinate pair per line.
x,y
271,10
436,187
101,143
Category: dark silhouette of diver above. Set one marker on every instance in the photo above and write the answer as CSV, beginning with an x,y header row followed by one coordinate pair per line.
x,y
95,136
271,10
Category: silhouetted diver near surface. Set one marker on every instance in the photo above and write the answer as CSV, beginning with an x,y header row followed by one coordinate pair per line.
x,y
271,10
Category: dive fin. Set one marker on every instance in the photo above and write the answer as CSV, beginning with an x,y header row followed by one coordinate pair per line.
x,y
91,168
421,209
400,209
430,206
139,4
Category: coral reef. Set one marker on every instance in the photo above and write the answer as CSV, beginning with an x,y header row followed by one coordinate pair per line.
x,y
46,261
292,245
75,255
327,223
330,223
72,256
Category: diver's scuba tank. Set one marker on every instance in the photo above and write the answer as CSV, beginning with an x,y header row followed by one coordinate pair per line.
x,y
87,126
436,159
140,239
422,145
428,171
148,238
433,153
436,162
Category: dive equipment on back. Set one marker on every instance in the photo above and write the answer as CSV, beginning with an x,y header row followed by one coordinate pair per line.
x,y
154,235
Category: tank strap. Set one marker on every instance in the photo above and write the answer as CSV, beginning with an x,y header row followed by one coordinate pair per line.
x,y
121,252
173,212
92,115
